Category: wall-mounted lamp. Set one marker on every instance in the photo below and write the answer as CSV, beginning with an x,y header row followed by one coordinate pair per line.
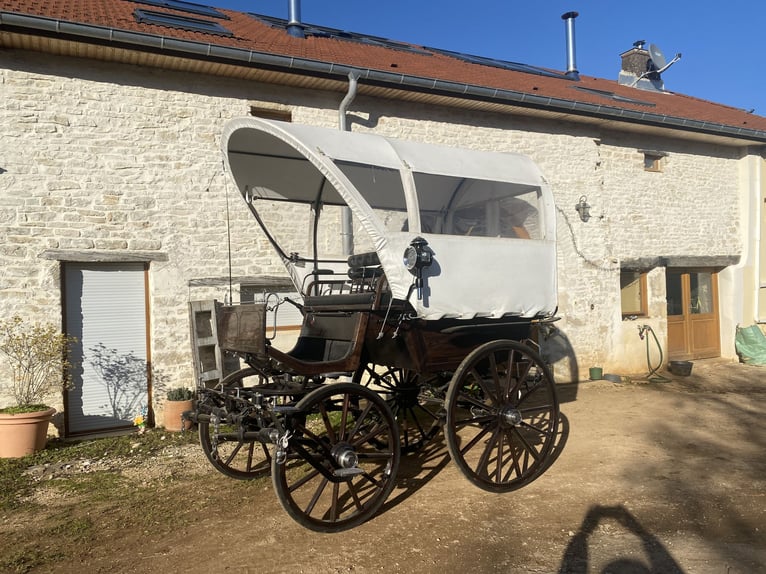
x,y
583,208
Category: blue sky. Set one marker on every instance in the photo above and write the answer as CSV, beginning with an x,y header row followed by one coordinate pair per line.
x,y
721,42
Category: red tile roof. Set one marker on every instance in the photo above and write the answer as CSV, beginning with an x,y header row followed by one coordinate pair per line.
x,y
252,34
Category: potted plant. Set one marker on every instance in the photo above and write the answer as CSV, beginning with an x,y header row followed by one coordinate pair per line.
x,y
179,400
36,355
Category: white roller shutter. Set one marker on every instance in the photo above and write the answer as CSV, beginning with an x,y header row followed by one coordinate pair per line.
x,y
105,308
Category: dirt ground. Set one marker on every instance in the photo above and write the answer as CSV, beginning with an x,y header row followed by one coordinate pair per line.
x,y
649,477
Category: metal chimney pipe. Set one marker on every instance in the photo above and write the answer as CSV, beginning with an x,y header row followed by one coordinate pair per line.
x,y
294,24
569,18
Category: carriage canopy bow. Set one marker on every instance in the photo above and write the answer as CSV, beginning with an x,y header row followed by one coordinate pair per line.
x,y
487,218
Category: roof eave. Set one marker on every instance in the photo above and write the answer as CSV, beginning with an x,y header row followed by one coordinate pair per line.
x,y
572,109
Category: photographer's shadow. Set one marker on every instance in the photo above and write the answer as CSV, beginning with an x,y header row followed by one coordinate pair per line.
x,y
577,557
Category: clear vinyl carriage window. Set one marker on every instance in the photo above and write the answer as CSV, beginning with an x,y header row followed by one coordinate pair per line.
x,y
479,208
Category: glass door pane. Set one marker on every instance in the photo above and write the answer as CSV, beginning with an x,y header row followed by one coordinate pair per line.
x,y
701,289
674,293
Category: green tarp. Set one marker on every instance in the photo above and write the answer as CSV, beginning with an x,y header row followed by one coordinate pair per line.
x,y
750,343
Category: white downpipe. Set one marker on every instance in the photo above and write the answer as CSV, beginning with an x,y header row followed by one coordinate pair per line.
x,y
757,182
347,222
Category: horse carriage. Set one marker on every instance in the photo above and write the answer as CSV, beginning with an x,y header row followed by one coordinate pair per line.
x,y
426,321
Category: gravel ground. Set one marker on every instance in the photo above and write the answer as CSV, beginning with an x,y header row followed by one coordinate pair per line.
x,y
665,478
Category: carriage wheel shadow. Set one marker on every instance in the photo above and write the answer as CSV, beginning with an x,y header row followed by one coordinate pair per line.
x,y
562,436
410,478
417,469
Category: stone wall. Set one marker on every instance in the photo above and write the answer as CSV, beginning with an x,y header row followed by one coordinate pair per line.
x,y
108,158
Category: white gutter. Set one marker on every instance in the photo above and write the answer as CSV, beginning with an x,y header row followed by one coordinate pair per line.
x,y
26,24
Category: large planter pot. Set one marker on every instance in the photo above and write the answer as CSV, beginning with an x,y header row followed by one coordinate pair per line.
x,y
24,433
173,412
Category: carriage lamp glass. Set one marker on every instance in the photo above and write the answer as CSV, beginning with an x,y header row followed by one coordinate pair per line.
x,y
416,256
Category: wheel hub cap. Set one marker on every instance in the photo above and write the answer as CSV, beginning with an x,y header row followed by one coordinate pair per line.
x,y
345,456
511,416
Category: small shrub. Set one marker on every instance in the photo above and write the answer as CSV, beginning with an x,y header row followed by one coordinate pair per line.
x,y
36,354
180,394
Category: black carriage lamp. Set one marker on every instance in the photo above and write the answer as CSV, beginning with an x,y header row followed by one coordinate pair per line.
x,y
583,208
418,256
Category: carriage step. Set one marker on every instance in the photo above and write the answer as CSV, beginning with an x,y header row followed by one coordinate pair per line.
x,y
346,472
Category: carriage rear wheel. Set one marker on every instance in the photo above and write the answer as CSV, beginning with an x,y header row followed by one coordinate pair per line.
x,y
417,406
225,445
502,416
342,458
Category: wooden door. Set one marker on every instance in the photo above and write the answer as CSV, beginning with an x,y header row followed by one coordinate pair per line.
x,y
692,307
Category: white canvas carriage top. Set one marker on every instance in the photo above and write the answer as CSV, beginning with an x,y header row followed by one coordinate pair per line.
x,y
488,217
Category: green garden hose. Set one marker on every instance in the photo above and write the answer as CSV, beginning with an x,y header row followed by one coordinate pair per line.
x,y
652,376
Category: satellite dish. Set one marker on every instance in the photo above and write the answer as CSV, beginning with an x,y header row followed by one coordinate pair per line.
x,y
655,66
660,63
657,56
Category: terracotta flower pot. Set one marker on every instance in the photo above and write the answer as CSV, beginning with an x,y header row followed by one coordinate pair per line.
x,y
173,412
24,433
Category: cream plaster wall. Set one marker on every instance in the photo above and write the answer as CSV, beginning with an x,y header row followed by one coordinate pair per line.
x,y
104,157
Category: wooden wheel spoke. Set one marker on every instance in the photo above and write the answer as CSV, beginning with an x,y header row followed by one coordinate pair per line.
x,y
480,420
250,451
355,496
344,418
520,377
360,420
306,478
530,391
327,423
539,430
376,431
509,387
319,444
373,480
514,466
499,467
525,444
431,414
421,431
494,397
474,440
385,383
473,401
495,378
334,505
233,453
314,499
547,407
488,448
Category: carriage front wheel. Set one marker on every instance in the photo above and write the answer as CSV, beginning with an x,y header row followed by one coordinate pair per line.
x,y
227,445
502,416
341,458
